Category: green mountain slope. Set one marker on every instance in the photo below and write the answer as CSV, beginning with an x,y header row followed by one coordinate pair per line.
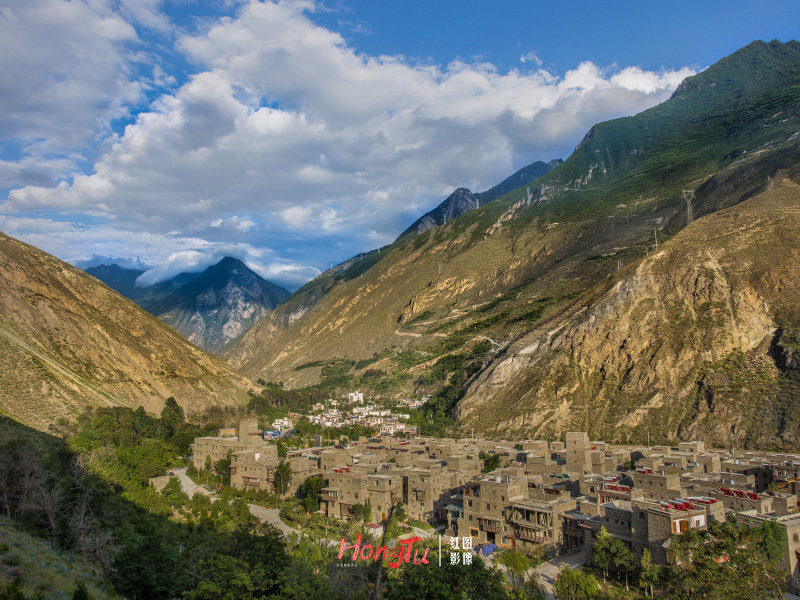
x,y
440,307
68,342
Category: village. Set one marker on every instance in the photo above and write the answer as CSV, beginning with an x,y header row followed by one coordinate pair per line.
x,y
541,497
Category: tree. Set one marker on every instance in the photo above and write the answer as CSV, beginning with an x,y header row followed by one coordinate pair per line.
x,y
648,573
310,490
448,582
222,468
610,552
171,417
574,584
362,512
490,461
517,564
283,477
730,561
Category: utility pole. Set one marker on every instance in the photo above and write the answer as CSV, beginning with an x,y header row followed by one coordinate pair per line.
x,y
655,237
377,591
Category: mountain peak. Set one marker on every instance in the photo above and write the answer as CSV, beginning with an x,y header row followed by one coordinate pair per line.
x,y
754,67
229,262
219,303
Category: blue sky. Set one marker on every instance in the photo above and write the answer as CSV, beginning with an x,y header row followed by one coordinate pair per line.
x,y
296,134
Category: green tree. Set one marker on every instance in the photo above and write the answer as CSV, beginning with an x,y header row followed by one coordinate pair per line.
x,y
490,461
648,573
610,552
448,582
362,512
730,561
171,417
574,584
283,477
309,492
222,469
517,564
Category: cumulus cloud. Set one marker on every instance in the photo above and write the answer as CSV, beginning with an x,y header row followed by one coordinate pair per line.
x,y
65,78
287,141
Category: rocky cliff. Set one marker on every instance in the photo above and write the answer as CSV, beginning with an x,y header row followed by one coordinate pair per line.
x,y
682,344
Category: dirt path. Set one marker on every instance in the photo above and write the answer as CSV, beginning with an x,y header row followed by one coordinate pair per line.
x,y
546,573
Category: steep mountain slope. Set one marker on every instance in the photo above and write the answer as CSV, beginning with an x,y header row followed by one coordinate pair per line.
x,y
118,278
123,280
68,342
462,200
456,204
218,304
521,178
699,339
440,307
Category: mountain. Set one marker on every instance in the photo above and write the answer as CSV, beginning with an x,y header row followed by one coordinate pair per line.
x,y
209,308
522,177
457,203
68,342
118,278
462,200
123,280
444,312
218,304
700,339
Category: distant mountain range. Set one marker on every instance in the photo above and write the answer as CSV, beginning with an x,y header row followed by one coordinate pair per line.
x,y
68,343
554,310
208,308
462,200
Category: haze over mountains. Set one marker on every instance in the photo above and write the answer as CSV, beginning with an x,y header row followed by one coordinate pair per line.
x,y
209,308
489,300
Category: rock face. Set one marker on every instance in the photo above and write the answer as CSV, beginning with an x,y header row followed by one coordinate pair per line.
x,y
462,200
209,308
457,203
68,342
661,347
219,304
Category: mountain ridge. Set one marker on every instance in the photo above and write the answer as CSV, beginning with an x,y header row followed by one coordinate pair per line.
x,y
209,307
73,342
437,309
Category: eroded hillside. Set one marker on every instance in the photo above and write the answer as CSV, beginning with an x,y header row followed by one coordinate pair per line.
x,y
67,342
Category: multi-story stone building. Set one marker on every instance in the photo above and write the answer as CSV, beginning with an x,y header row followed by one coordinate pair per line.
x,y
207,451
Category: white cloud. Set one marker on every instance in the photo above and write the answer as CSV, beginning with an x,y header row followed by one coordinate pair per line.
x,y
65,77
286,136
530,57
170,253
